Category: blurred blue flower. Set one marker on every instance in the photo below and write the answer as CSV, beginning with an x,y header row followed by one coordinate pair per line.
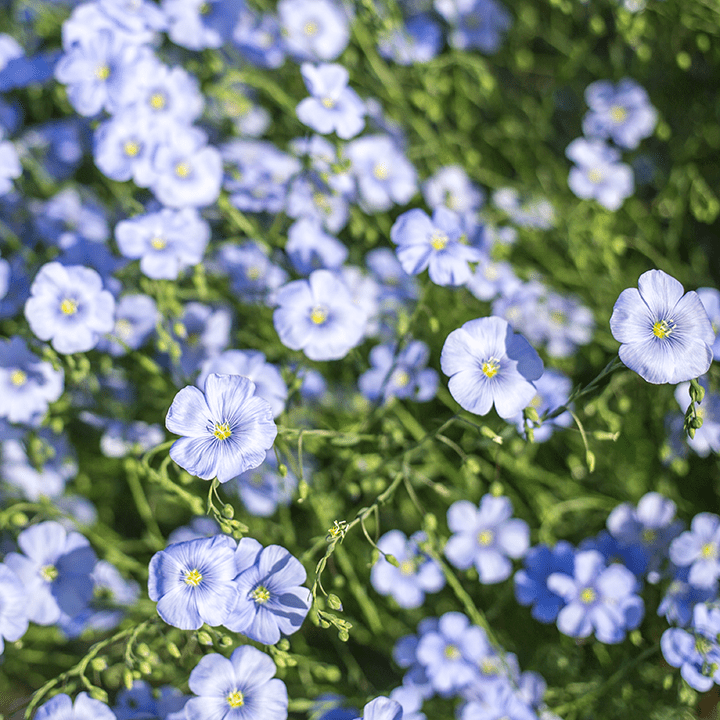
x,y
69,307
598,174
226,430
486,536
314,29
650,527
418,40
531,582
411,700
311,197
253,276
27,384
681,597
403,375
333,105
710,298
136,316
200,24
499,702
699,548
384,175
271,599
666,335
259,39
310,248
597,598
55,569
490,279
10,167
382,708
319,316
444,245
239,688
165,242
488,364
417,572
621,112
201,526
451,187
61,707
192,582
13,607
475,23
139,702
696,653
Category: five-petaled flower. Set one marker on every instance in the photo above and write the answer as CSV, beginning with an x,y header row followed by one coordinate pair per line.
x,y
227,430
666,334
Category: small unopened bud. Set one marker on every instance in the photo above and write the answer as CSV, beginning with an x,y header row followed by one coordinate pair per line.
x,y
99,694
204,638
173,649
228,511
344,635
283,470
99,664
128,678
392,560
334,602
145,667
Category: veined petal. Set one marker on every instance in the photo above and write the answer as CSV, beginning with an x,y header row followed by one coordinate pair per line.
x,y
659,291
189,413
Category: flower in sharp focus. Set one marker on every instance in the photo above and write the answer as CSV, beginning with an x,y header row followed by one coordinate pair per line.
x,y
486,536
271,599
192,582
490,365
666,335
239,688
226,430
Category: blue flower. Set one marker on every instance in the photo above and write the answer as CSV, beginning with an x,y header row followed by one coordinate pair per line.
x,y
441,245
697,654
136,316
192,582
55,569
200,24
488,364
139,703
13,607
486,537
666,335
597,598
681,597
314,29
451,187
271,601
699,548
707,437
416,574
319,316
226,431
710,298
598,173
239,688
401,375
419,40
622,113
10,167
475,23
69,307
61,707
382,708
310,248
252,274
27,384
332,105
531,582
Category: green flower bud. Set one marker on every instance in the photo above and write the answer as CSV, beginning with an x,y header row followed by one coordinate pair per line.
x,y
334,602
173,649
99,664
204,638
228,511
99,694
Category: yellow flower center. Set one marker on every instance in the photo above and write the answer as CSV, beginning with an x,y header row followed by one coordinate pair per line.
x,y
488,667
702,645
102,72
380,171
663,328
559,318
123,328
193,577
18,377
260,595
310,28
439,240
595,176
157,101
485,537
131,148
222,431
536,402
490,367
407,567
68,306
253,272
491,272
588,595
48,572
158,243
708,551
648,536
235,699
320,200
401,378
329,103
618,113
319,314
204,9
182,169
451,652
